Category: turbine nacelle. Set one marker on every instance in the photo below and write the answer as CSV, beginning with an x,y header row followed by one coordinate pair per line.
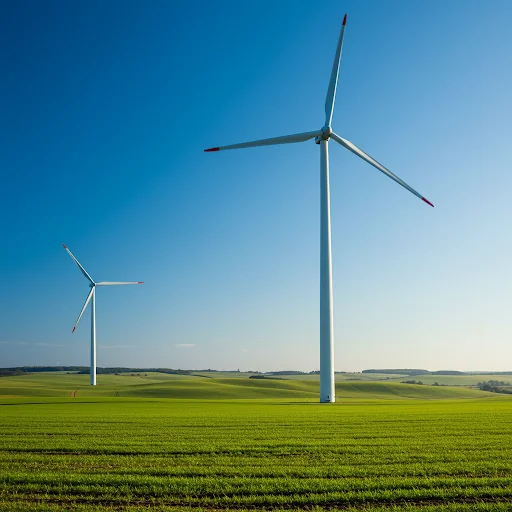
x,y
325,134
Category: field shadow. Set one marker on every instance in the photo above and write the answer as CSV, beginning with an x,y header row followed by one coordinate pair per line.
x,y
305,403
56,402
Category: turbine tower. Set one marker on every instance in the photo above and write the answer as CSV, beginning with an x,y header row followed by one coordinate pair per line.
x,y
322,137
91,297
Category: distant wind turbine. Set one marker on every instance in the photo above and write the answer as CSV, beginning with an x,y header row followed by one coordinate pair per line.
x,y
322,137
92,295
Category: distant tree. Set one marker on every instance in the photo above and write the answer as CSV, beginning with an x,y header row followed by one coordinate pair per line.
x,y
266,377
495,386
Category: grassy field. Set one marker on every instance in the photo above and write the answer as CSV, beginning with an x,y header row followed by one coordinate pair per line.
x,y
268,446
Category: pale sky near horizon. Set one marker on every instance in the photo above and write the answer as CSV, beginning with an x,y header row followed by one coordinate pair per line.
x,y
106,108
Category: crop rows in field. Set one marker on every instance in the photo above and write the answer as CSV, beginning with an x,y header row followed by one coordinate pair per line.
x,y
255,455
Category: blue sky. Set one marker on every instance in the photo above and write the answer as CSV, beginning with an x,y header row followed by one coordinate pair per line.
x,y
106,108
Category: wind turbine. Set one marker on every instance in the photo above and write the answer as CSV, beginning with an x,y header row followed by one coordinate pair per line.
x,y
91,297
322,137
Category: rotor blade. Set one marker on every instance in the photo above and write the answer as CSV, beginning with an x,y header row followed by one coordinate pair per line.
x,y
83,309
79,266
333,83
112,283
286,139
360,153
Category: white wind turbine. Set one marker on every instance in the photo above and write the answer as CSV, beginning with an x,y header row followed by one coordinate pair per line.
x,y
322,137
92,297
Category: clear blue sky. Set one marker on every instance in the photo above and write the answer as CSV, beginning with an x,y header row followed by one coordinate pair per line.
x,y
106,108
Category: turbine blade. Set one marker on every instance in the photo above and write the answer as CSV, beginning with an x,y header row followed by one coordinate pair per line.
x,y
113,283
286,139
333,83
84,308
360,153
79,266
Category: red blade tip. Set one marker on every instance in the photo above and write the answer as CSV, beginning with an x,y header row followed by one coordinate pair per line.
x,y
345,20
211,149
64,246
140,282
73,330
428,202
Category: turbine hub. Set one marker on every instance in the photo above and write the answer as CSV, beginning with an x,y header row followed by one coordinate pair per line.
x,y
325,135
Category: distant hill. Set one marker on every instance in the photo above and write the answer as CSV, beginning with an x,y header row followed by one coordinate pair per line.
x,y
179,386
399,371
21,370
417,371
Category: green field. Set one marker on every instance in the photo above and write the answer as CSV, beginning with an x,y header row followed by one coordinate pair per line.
x,y
164,442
